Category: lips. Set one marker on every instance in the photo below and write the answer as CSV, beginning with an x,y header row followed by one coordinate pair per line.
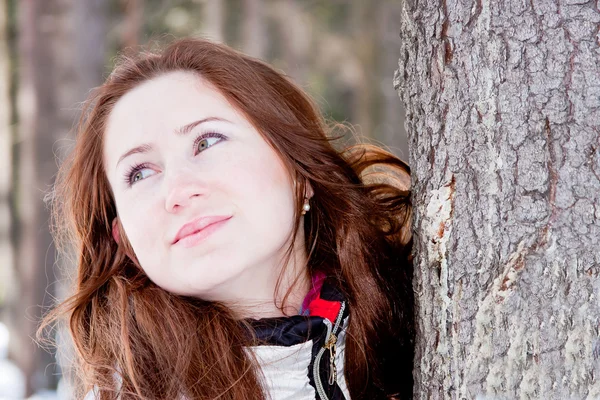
x,y
198,225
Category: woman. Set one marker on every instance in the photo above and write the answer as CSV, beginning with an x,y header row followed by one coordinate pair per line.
x,y
225,248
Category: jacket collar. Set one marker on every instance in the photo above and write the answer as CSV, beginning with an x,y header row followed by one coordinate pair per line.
x,y
322,302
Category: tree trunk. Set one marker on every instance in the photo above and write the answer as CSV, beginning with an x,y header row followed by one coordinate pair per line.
x,y
296,38
30,270
254,28
51,84
134,20
213,20
391,125
364,110
89,37
503,111
7,272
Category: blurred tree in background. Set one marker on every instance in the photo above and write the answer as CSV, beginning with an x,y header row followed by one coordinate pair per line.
x,y
52,52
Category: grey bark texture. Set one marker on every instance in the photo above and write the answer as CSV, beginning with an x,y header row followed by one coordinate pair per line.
x,y
503,113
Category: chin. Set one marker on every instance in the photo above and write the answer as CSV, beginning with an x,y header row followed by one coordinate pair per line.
x,y
203,286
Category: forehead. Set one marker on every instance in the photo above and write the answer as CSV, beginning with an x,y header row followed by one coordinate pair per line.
x,y
169,97
159,106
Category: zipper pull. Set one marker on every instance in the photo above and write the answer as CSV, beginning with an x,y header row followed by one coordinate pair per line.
x,y
332,368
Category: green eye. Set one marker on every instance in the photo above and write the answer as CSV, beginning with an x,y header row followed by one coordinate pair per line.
x,y
138,176
138,173
203,144
206,142
141,174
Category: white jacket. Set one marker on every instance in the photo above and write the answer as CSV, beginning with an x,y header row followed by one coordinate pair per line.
x,y
296,356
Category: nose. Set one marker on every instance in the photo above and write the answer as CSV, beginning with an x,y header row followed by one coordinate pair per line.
x,y
183,187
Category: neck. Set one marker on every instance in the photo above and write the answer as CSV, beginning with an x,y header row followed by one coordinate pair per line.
x,y
271,289
289,296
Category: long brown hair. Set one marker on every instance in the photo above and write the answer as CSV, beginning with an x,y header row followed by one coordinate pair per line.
x,y
159,345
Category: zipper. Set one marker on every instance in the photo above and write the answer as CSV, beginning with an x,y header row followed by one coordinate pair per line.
x,y
330,345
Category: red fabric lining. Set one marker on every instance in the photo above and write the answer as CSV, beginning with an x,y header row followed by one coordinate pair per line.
x,y
316,305
317,284
325,308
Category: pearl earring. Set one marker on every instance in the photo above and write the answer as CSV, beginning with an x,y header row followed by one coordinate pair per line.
x,y
305,208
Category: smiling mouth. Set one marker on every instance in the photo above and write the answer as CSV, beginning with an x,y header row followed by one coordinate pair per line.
x,y
197,236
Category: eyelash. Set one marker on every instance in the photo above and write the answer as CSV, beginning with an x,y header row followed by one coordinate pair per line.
x,y
138,167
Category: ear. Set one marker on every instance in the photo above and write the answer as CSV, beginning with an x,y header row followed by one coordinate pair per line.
x,y
308,191
115,230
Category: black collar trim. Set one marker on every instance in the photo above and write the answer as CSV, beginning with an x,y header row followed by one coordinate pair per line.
x,y
295,329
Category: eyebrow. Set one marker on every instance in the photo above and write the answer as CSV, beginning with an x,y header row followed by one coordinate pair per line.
x,y
182,131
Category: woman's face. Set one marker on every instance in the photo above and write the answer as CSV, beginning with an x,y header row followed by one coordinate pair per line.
x,y
180,158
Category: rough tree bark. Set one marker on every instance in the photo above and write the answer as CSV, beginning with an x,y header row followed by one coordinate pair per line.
x,y
503,115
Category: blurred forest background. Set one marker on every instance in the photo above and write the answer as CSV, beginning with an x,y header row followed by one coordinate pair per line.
x,y
52,52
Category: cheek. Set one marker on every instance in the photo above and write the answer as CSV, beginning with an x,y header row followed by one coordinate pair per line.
x,y
142,232
266,194
263,177
268,170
